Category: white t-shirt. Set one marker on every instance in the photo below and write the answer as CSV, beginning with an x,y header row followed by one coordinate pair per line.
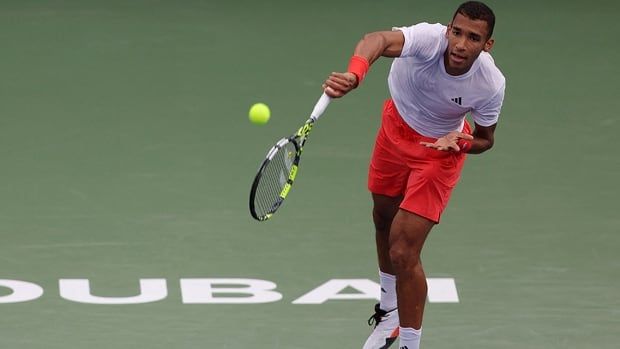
x,y
430,100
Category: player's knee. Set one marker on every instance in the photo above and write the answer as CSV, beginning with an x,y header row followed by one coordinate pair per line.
x,y
404,257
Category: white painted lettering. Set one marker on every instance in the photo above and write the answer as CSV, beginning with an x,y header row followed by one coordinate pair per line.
x,y
22,291
202,291
440,290
332,288
78,290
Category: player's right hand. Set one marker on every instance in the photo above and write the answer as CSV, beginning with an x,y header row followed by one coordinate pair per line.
x,y
339,84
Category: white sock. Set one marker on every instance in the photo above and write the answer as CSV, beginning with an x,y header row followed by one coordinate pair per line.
x,y
388,291
409,338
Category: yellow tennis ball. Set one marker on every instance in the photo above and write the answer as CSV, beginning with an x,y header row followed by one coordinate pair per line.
x,y
259,113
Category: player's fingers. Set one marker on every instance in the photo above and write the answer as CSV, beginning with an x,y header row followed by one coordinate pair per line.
x,y
343,80
337,77
333,93
336,84
464,136
341,85
349,78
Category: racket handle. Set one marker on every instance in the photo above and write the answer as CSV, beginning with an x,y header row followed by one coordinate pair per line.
x,y
320,107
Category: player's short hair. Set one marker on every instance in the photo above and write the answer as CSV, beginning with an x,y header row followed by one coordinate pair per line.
x,y
477,10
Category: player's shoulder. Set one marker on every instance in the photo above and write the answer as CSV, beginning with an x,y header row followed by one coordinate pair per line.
x,y
432,27
424,28
490,72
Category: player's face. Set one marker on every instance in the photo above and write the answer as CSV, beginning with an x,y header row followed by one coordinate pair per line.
x,y
466,39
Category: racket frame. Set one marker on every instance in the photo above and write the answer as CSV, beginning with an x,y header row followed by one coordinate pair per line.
x,y
298,140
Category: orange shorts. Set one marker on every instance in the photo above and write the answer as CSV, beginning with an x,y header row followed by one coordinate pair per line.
x,y
401,166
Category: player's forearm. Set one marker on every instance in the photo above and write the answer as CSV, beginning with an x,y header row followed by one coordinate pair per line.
x,y
484,137
479,145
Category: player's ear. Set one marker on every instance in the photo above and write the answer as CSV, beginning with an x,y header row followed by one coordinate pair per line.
x,y
488,45
449,29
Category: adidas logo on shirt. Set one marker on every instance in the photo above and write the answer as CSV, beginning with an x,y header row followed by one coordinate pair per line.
x,y
456,100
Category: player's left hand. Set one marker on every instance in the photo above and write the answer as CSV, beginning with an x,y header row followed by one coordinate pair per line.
x,y
448,142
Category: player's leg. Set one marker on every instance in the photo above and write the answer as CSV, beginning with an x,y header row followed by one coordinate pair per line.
x,y
428,192
385,318
407,236
387,180
383,212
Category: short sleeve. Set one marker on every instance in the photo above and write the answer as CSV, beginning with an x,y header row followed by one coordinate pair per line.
x,y
488,114
422,40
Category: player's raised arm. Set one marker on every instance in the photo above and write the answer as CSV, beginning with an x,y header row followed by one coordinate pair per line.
x,y
383,43
369,49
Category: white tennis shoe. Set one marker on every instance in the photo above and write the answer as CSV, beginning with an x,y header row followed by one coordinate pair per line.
x,y
386,328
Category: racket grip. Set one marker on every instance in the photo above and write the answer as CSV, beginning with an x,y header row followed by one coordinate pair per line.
x,y
320,107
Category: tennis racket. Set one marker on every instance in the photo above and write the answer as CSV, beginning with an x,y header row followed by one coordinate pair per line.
x,y
279,169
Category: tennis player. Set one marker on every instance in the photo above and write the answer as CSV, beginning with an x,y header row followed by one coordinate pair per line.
x,y
439,74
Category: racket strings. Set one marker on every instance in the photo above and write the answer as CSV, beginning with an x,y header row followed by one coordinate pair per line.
x,y
273,180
